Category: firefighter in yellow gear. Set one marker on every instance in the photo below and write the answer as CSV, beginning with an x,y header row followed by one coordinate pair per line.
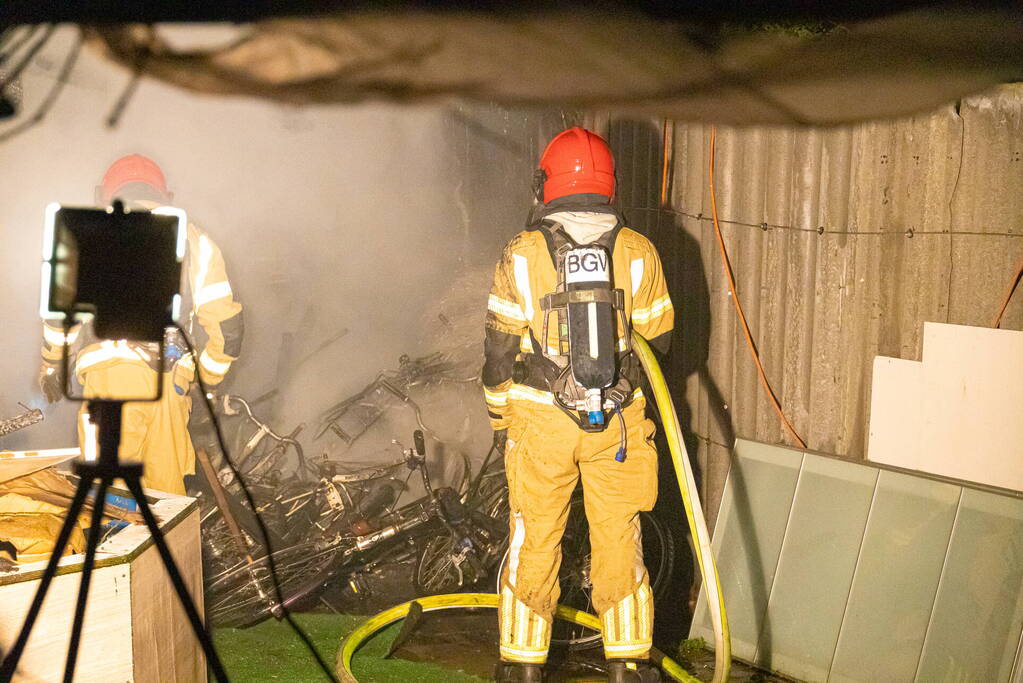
x,y
154,433
548,449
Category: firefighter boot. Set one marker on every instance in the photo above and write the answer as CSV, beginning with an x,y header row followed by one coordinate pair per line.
x,y
518,672
632,671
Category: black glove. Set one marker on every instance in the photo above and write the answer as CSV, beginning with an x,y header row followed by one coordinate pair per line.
x,y
49,383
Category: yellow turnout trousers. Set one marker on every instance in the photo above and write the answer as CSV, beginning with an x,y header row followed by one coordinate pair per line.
x,y
154,433
545,456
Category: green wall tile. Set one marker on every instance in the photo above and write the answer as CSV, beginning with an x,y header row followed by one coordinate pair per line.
x,y
896,579
815,568
830,570
978,611
747,539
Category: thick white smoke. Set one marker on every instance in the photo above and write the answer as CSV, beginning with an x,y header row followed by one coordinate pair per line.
x,y
343,228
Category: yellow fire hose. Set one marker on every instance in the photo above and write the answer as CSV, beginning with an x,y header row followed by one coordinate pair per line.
x,y
460,601
694,511
701,547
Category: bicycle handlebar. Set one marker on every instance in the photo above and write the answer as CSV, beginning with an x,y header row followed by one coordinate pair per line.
x,y
288,440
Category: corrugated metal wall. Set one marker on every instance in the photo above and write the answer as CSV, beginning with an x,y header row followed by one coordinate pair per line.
x,y
843,242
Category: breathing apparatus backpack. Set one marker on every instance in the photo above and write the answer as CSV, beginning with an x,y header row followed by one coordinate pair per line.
x,y
587,310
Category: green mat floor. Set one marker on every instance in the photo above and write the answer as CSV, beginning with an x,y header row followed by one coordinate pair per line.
x,y
271,652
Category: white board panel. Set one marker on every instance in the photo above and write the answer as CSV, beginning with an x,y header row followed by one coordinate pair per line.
x,y
958,412
894,431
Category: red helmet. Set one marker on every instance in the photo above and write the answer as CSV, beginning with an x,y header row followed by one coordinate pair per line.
x,y
577,161
133,168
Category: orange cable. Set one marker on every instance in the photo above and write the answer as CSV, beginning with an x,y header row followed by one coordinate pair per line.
x,y
1008,296
664,168
738,307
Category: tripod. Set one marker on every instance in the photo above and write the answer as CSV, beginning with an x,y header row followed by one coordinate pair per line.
x,y
105,470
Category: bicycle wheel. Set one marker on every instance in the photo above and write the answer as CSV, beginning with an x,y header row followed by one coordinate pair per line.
x,y
243,595
441,567
239,595
574,573
447,563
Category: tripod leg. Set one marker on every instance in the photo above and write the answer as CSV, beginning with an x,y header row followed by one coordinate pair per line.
x,y
135,486
83,586
10,663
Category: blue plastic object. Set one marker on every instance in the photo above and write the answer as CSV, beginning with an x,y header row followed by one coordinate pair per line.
x,y
620,455
596,417
172,352
123,502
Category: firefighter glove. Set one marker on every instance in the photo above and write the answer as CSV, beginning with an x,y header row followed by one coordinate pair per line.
x,y
49,383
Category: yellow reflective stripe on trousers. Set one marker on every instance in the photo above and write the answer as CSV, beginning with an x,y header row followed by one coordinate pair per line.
x,y
540,632
525,635
629,651
517,539
213,366
654,310
508,309
512,654
644,600
628,620
520,634
506,612
628,626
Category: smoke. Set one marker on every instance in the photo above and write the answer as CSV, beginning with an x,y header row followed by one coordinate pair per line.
x,y
344,230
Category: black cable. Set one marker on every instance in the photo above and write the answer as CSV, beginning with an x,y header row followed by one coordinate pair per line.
x,y
255,511
620,455
51,97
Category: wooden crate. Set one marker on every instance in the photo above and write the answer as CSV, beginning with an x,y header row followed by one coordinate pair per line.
x,y
134,628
